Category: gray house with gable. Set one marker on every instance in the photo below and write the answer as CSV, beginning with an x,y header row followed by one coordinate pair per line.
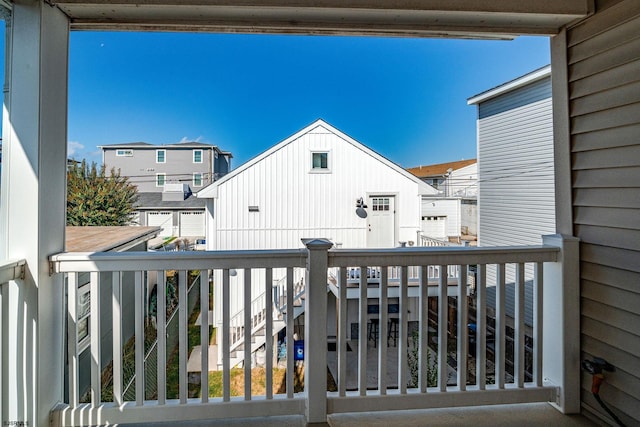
x,y
166,175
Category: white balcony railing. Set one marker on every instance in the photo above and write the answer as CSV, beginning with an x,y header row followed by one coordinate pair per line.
x,y
459,379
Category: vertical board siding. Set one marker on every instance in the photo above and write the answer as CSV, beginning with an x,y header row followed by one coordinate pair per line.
x,y
294,203
516,200
604,92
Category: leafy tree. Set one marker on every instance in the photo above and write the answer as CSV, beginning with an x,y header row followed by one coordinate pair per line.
x,y
93,198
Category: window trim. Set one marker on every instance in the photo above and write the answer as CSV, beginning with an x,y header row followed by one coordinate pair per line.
x,y
201,156
123,152
320,169
164,156
164,179
193,181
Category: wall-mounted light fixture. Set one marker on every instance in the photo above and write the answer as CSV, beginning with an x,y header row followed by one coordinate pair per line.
x,y
360,208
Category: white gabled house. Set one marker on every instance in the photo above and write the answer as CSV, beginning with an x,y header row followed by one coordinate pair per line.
x,y
309,185
317,182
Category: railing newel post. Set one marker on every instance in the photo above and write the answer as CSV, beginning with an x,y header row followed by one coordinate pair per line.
x,y
315,355
561,322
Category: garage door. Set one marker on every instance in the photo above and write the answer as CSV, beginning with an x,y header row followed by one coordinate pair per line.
x,y
161,219
435,227
192,224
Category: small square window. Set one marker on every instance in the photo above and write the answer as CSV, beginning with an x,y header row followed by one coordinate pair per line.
x,y
197,180
161,156
320,161
197,156
160,179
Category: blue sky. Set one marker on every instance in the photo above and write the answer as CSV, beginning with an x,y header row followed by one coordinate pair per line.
x,y
405,98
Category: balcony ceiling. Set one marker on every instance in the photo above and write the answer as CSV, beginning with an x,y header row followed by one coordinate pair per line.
x,y
408,18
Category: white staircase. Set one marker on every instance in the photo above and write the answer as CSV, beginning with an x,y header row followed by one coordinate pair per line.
x,y
258,318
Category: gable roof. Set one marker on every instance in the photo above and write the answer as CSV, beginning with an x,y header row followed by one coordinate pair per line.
x,y
211,191
440,168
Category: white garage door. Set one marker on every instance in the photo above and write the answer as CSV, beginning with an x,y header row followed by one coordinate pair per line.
x,y
161,219
192,224
435,227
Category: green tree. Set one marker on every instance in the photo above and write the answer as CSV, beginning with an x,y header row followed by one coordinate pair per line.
x,y
93,198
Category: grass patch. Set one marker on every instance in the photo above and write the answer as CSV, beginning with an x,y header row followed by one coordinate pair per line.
x,y
258,382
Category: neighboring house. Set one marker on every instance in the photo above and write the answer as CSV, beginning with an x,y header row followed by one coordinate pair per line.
x,y
452,214
452,179
318,182
104,239
516,197
165,176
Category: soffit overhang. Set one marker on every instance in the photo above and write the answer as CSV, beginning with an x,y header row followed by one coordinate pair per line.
x,y
406,18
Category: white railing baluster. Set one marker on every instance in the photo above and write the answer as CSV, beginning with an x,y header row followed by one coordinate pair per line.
x,y
481,326
72,337
518,331
342,333
96,362
226,351
500,327
259,312
362,333
204,335
290,341
139,336
268,331
247,333
463,334
183,305
423,348
538,290
161,323
403,313
116,303
442,329
383,333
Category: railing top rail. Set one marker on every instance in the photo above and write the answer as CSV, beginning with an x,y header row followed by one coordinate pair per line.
x,y
442,255
11,269
187,260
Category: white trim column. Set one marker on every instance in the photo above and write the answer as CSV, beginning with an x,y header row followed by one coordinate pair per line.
x,y
32,210
561,323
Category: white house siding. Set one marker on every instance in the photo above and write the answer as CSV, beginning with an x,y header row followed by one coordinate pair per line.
x,y
516,199
448,208
294,203
604,94
463,182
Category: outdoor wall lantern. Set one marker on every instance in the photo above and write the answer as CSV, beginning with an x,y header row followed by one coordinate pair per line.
x,y
360,208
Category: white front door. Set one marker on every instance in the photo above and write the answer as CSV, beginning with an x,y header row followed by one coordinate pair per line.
x,y
381,222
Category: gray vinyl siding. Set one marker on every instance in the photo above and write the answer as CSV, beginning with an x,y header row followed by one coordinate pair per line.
x,y
141,168
604,94
516,198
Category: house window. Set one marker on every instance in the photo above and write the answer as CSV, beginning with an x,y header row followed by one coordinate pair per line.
x,y
84,316
160,179
124,153
161,156
380,203
197,156
197,180
320,161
